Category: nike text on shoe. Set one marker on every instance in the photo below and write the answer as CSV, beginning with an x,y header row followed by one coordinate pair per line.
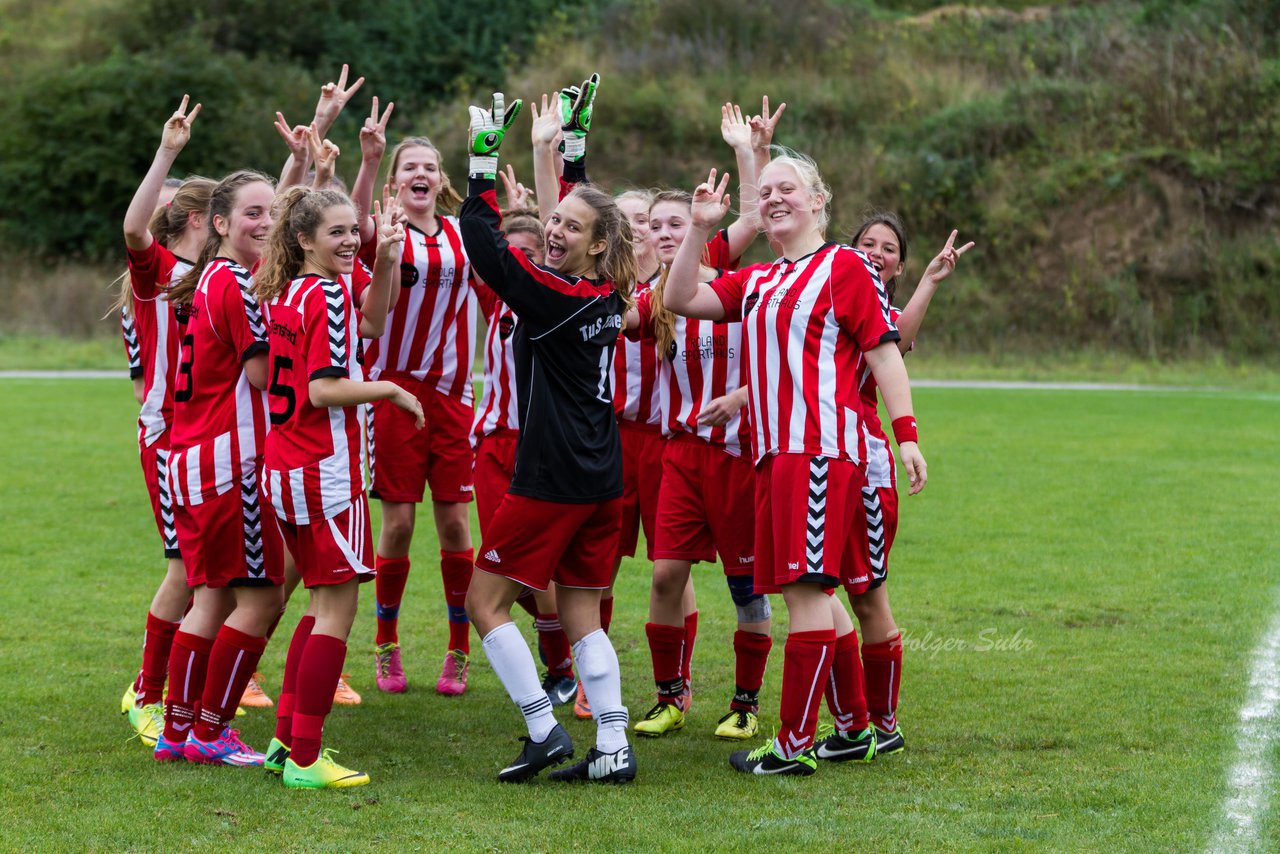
x,y
847,747
276,754
765,761
324,773
617,767
536,755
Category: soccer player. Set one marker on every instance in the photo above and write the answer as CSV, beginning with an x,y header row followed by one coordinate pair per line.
x,y
882,238
313,466
427,349
160,239
229,540
560,519
806,318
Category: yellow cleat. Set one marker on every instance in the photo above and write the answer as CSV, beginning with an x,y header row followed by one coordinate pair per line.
x,y
738,725
147,722
324,773
661,719
129,700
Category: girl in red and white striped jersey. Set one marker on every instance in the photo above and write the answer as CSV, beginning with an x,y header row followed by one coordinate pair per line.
x,y
883,239
807,319
427,348
159,240
313,463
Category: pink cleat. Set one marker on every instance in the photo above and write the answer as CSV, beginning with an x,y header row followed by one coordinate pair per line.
x,y
453,675
228,749
387,670
168,751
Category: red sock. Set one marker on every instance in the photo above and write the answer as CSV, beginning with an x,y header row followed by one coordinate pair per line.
x,y
845,696
232,660
455,571
751,656
555,643
388,584
606,613
156,644
525,600
690,635
882,668
666,647
188,662
805,670
317,674
286,703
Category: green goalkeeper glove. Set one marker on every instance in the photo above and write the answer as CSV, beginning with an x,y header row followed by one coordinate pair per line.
x,y
487,130
575,116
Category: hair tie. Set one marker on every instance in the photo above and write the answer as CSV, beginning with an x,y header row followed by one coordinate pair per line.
x,y
168,204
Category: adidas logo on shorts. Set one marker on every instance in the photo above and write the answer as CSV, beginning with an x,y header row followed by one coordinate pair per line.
x,y
492,556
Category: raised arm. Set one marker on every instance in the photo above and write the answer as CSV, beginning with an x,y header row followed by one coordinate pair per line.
x,y
373,144
176,134
385,288
683,293
333,97
545,133
324,154
295,165
737,133
943,265
762,128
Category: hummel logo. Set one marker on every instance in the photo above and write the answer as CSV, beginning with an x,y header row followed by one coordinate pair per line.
x,y
607,763
492,556
182,727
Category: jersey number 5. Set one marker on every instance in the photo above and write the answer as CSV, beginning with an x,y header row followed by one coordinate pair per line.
x,y
281,389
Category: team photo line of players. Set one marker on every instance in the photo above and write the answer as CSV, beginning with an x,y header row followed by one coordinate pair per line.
x,y
635,377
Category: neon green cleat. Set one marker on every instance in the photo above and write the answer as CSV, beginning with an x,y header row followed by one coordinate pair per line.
x,y
738,725
765,760
277,753
661,719
324,773
240,711
147,722
129,699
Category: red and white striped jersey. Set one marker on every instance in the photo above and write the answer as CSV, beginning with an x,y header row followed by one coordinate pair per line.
x,y
431,332
705,362
635,375
497,409
219,418
132,350
158,332
880,463
805,324
314,461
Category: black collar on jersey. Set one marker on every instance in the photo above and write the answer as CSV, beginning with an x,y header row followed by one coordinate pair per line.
x,y
785,260
439,228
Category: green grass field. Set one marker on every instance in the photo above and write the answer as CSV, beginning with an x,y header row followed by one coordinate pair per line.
x,y
1081,586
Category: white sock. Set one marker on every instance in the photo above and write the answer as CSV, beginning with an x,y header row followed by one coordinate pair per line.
x,y
602,682
510,658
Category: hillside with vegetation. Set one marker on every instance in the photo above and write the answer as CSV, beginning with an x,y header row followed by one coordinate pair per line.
x,y
1117,163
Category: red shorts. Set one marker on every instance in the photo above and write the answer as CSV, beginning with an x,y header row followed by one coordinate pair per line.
x,y
810,523
155,471
642,449
707,506
881,513
535,542
495,464
231,540
334,550
438,455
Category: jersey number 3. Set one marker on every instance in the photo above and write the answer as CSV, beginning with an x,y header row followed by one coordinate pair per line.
x,y
183,387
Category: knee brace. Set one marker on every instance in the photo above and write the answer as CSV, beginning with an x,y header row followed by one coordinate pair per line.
x,y
752,607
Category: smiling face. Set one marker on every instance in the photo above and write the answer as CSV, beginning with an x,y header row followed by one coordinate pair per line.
x,y
528,244
882,248
417,177
668,223
636,210
570,246
244,233
331,250
788,209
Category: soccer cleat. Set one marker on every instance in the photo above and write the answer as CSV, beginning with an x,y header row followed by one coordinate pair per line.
x,y
240,712
453,674
324,773
147,722
387,670
169,751
344,694
661,719
618,767
765,760
254,697
557,747
129,700
889,742
852,747
560,689
228,749
581,708
276,754
738,725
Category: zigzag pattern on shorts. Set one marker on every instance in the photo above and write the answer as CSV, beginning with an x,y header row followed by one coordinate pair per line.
x,y
170,531
816,517
249,504
875,528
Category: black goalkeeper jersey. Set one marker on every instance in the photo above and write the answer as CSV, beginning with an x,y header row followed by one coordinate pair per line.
x,y
568,450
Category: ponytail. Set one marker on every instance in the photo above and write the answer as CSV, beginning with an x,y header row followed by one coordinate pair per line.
x,y
167,226
221,202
